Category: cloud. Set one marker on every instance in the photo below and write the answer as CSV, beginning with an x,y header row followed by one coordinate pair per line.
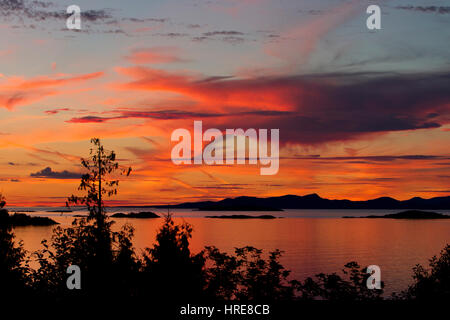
x,y
300,40
223,33
427,9
144,20
230,36
172,34
55,111
385,158
17,91
169,115
49,173
154,55
29,13
42,10
320,107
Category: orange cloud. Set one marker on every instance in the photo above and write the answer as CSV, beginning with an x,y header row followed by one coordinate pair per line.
x,y
18,91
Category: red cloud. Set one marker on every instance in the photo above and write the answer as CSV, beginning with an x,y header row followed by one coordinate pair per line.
x,y
16,91
311,108
259,93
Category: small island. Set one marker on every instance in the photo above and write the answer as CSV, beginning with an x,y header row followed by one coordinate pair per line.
x,y
242,216
21,220
139,215
409,214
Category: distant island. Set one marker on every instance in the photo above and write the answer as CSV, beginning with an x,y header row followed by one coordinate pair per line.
x,y
225,207
242,216
21,219
313,201
410,214
139,215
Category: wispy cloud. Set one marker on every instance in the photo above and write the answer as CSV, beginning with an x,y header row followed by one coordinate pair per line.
x,y
427,9
155,55
18,91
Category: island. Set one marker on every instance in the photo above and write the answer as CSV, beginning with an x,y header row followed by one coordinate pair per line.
x,y
409,214
139,215
242,216
21,219
237,207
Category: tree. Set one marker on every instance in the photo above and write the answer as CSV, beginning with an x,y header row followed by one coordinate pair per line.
x,y
14,269
102,255
333,287
246,275
97,182
169,268
431,283
100,165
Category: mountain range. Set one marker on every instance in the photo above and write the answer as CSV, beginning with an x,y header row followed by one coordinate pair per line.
x,y
314,201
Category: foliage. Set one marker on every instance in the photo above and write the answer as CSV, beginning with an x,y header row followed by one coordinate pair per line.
x,y
14,268
170,268
247,276
101,254
333,287
431,283
95,182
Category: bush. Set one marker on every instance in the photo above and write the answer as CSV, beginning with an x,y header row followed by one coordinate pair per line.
x,y
433,283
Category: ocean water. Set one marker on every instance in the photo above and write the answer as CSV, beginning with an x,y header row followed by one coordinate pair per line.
x,y
313,241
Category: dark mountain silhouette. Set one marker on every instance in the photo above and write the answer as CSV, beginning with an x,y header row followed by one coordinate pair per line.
x,y
314,201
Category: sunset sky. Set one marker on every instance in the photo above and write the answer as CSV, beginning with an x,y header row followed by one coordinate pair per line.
x,y
361,113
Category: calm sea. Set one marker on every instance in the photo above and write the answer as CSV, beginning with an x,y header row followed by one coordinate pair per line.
x,y
313,241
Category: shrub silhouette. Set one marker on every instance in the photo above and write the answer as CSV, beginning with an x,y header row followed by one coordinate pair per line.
x,y
351,287
247,276
431,283
169,269
14,268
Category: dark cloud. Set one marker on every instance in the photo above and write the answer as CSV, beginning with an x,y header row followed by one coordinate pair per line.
x,y
55,111
49,173
223,33
172,115
321,107
139,20
44,10
388,158
172,35
39,11
427,9
338,107
200,39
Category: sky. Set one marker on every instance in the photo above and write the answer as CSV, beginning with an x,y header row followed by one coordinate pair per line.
x,y
361,113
